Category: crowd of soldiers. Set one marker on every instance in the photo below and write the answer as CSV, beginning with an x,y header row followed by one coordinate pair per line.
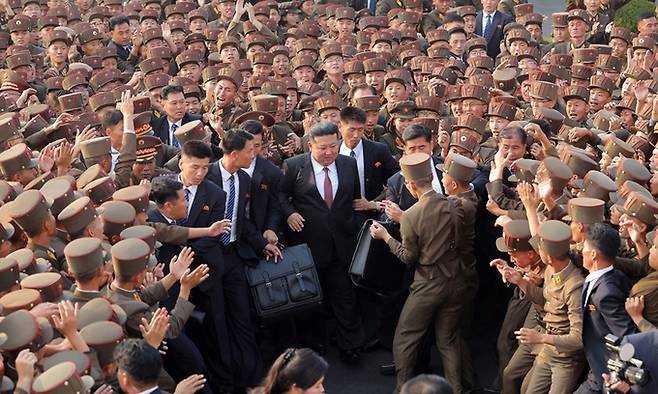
x,y
151,151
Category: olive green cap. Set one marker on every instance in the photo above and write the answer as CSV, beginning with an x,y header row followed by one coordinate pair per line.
x,y
117,216
30,210
458,166
598,185
49,284
77,215
416,166
129,257
95,147
554,239
63,378
84,255
9,273
586,210
100,309
516,237
103,337
136,196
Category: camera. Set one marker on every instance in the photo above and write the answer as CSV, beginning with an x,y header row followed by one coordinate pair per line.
x,y
621,364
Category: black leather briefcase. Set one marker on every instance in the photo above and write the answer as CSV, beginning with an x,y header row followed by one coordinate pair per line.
x,y
287,287
374,267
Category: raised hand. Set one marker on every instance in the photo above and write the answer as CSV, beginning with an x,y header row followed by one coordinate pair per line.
x,y
190,280
179,264
190,385
126,104
154,331
219,227
66,321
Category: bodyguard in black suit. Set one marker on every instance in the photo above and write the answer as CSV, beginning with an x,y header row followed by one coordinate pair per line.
x,y
317,192
416,139
206,205
374,161
264,209
173,104
243,245
604,294
489,23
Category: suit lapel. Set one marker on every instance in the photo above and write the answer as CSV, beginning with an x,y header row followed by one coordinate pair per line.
x,y
257,175
478,24
198,203
242,194
368,164
309,176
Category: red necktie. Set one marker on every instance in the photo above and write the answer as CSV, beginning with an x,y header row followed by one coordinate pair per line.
x,y
328,190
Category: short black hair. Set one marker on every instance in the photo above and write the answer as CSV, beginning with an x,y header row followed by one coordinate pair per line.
x,y
353,114
141,361
514,131
323,129
235,139
645,15
451,17
457,30
197,149
118,20
360,86
165,189
169,89
416,131
112,118
253,127
426,384
604,239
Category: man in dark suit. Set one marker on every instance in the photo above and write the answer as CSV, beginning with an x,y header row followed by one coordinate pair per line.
x,y
244,244
604,295
373,159
317,192
206,205
120,36
416,139
264,209
489,23
176,115
139,365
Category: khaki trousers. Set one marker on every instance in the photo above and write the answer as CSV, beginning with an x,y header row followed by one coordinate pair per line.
x,y
438,302
554,372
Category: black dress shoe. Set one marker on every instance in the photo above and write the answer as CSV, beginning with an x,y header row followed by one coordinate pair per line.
x,y
387,369
350,356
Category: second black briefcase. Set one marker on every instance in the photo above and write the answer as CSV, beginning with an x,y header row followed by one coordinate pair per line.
x,y
287,287
373,266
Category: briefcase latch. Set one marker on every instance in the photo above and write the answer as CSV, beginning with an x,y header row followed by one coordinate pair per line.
x,y
300,278
268,285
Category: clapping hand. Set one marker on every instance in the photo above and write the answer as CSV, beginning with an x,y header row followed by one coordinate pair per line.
x,y
66,321
190,385
154,331
190,280
179,264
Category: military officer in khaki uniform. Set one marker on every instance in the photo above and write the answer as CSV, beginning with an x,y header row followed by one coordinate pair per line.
x,y
516,360
31,212
331,56
225,111
560,361
430,242
85,261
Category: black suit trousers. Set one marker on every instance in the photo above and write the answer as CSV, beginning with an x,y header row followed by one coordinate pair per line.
x,y
340,297
237,361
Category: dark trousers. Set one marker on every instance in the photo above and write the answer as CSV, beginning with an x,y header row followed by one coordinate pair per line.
x,y
183,359
340,296
232,354
517,310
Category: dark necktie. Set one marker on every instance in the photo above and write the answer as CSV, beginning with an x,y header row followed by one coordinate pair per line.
x,y
488,28
188,194
230,202
328,189
174,141
352,154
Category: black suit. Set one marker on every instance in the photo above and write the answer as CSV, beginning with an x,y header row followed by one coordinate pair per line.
x,y
233,291
500,19
378,165
160,126
331,235
398,193
603,314
122,52
264,207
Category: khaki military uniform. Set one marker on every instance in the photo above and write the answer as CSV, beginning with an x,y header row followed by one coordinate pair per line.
x,y
81,297
142,304
341,91
436,294
228,115
431,21
557,368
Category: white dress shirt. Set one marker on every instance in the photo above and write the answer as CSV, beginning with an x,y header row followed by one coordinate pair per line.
x,y
226,186
484,21
115,157
251,168
149,390
358,155
590,281
171,131
192,190
318,170
436,183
